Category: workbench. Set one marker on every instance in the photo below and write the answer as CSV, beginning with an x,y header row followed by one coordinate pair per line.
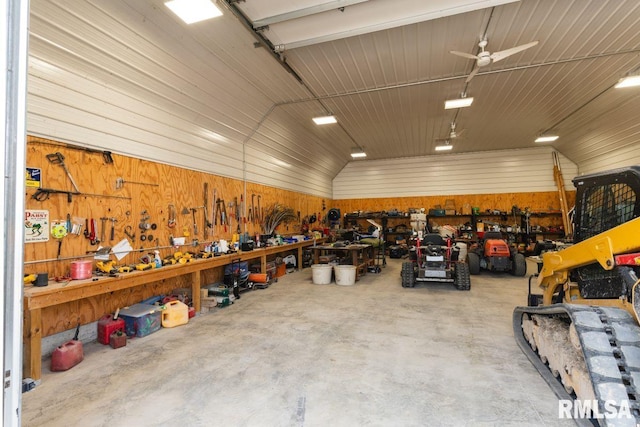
x,y
361,255
54,294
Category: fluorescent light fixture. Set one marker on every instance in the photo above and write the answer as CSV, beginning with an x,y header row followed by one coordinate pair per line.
x,y
191,11
325,120
450,104
629,81
546,138
446,147
358,153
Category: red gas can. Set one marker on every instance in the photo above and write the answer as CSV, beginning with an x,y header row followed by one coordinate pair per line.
x,y
108,325
67,356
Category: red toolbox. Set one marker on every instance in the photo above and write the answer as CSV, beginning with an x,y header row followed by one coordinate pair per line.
x,y
108,325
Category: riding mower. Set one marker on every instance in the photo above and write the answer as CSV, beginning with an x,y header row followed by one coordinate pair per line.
x,y
493,253
435,260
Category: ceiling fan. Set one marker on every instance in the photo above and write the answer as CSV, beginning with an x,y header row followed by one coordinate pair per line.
x,y
453,134
484,57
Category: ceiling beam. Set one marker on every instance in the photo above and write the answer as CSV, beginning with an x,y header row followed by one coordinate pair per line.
x,y
307,11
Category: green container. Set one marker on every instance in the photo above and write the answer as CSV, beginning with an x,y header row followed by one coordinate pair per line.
x,y
222,301
475,210
217,289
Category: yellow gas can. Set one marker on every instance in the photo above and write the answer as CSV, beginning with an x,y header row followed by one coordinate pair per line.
x,y
176,313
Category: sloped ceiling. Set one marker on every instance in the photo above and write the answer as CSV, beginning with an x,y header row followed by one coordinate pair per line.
x,y
255,77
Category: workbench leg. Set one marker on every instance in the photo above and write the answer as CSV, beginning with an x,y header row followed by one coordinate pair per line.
x,y
263,264
299,260
32,344
195,289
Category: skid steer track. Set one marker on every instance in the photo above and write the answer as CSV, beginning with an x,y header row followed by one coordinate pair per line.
x,y
608,339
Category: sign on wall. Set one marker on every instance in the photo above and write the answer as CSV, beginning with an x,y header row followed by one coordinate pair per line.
x,y
33,178
36,223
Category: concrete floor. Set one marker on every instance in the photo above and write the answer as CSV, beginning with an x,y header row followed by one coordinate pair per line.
x,y
316,355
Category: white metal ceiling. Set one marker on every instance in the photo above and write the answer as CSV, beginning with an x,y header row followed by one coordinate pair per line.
x,y
388,87
212,86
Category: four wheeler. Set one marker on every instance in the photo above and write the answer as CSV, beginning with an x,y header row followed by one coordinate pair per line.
x,y
436,260
493,253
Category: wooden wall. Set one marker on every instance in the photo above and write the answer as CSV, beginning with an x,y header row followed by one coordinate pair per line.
x,y
536,201
181,187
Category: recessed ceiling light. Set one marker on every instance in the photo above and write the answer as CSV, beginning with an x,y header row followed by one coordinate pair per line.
x,y
628,81
547,138
446,147
457,103
191,11
325,120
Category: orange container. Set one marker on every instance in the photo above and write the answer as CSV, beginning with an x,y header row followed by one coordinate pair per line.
x,y
281,270
259,277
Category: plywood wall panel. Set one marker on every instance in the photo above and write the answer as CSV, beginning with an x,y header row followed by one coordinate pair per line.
x,y
183,188
536,201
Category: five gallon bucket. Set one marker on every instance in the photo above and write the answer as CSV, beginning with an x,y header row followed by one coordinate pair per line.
x,y
321,274
345,275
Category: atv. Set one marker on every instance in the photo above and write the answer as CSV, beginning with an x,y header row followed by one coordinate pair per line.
x,y
493,253
435,260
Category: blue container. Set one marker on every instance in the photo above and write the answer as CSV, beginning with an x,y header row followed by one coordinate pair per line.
x,y
141,320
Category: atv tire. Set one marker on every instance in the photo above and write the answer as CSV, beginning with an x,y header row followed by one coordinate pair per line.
x,y
519,265
462,277
473,260
408,275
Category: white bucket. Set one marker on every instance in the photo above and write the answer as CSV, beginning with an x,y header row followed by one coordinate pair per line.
x,y
345,275
321,274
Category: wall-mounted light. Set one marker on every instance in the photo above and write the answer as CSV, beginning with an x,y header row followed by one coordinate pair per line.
x,y
192,11
461,102
358,153
629,81
446,147
325,120
546,138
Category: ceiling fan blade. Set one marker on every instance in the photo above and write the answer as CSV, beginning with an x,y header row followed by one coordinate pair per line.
x,y
498,56
473,73
456,134
463,54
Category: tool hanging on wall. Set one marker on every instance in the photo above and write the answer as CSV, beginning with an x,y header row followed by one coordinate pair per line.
x,y
237,208
106,155
253,209
221,208
215,207
113,228
193,210
103,223
58,159
259,213
43,194
207,224
59,231
172,216
120,181
92,234
128,230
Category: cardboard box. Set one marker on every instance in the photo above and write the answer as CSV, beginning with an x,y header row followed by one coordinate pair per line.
x,y
141,320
